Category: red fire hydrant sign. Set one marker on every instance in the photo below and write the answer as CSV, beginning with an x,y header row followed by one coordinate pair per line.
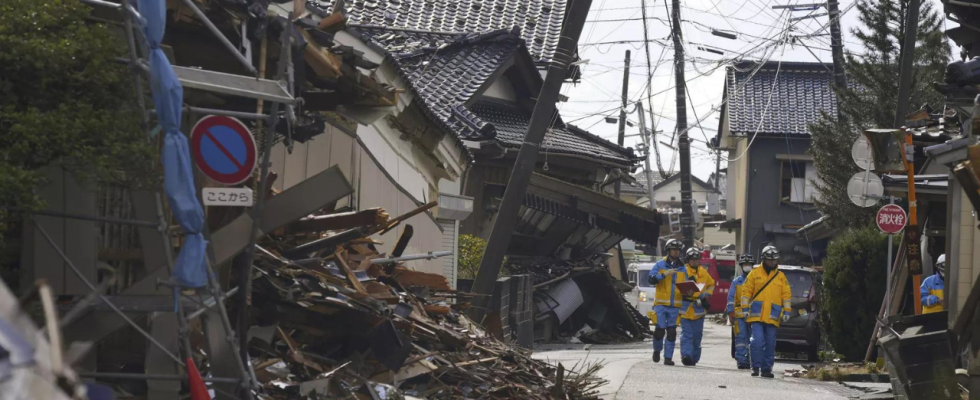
x,y
891,219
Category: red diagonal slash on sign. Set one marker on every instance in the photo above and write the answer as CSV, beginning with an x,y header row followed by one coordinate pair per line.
x,y
223,149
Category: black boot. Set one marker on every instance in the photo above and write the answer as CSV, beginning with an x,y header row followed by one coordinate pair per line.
x,y
668,361
656,356
755,372
743,366
687,361
768,374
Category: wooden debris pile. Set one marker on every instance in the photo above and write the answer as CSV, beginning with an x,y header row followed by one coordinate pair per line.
x,y
335,320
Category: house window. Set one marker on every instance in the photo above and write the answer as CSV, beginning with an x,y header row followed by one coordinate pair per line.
x,y
797,182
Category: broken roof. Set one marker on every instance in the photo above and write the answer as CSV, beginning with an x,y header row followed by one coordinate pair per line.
x,y
446,71
510,124
539,21
802,91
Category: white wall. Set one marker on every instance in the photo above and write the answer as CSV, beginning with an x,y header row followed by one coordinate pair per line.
x,y
671,192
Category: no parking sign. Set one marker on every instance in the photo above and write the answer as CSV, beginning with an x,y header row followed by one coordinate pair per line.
x,y
223,149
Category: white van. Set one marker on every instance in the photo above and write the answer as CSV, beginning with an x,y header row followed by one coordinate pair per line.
x,y
642,295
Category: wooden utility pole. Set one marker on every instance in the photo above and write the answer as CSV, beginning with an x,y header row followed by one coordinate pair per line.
x,y
836,46
683,143
901,110
623,272
906,68
836,40
622,112
527,157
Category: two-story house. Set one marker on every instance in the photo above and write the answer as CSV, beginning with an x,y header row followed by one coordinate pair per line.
x,y
770,178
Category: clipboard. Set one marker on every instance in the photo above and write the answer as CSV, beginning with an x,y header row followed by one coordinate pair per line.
x,y
689,287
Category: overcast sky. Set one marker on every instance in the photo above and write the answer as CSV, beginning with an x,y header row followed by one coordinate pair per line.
x,y
754,21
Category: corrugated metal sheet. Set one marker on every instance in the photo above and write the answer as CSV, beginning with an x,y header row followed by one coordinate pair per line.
x,y
563,298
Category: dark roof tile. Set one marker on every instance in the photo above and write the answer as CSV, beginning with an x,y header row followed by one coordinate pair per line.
x,y
510,124
539,21
802,91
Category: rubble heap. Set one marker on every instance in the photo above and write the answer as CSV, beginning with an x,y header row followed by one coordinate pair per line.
x,y
344,325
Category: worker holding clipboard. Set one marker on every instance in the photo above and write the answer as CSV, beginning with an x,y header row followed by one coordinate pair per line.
x,y
695,292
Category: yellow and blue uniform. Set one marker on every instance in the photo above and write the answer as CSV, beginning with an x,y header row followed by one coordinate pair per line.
x,y
692,313
666,304
932,294
766,307
739,325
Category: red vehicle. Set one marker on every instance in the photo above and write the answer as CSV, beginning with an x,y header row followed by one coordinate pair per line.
x,y
722,271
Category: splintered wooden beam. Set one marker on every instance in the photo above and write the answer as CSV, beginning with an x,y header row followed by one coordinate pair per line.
x,y
331,20
339,256
410,214
323,62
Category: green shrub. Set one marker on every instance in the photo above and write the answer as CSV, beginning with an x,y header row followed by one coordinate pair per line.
x,y
853,289
470,250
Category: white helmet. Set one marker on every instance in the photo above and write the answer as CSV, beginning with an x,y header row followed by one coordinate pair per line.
x,y
770,253
941,263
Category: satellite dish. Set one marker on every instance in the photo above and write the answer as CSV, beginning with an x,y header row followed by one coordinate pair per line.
x,y
865,189
862,154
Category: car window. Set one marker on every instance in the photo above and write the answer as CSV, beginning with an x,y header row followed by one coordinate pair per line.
x,y
800,282
642,278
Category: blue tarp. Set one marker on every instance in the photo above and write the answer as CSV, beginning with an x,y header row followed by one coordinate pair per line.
x,y
190,269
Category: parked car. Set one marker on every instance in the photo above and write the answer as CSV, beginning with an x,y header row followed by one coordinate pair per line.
x,y
801,333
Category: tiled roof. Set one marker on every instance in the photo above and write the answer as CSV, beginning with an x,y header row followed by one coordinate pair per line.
x,y
540,21
447,76
446,70
398,41
802,91
510,124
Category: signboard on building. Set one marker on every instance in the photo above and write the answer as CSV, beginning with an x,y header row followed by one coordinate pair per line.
x,y
235,197
891,219
223,149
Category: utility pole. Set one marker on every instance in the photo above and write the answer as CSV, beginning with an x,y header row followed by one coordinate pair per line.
x,y
836,47
527,157
624,273
647,140
836,40
683,144
622,112
902,109
905,71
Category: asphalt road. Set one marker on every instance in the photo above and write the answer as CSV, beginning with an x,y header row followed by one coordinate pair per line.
x,y
632,374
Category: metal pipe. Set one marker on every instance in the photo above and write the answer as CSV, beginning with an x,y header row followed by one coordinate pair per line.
x,y
224,40
426,256
150,377
133,62
102,3
110,220
210,302
227,113
85,280
88,301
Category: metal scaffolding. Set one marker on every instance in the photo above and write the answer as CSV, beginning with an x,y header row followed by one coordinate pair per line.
x,y
278,93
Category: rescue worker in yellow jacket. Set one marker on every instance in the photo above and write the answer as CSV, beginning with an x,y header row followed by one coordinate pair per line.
x,y
766,296
693,308
667,300
932,289
740,328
